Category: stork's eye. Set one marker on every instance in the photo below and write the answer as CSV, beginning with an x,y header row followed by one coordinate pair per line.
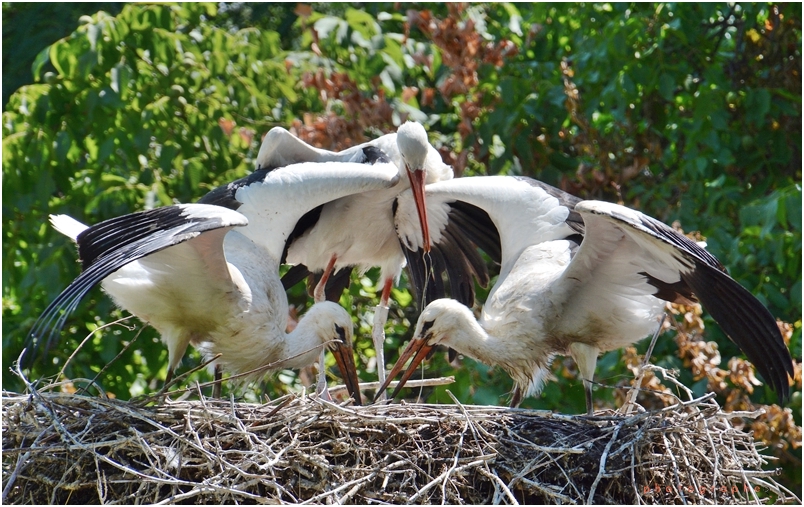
x,y
426,326
341,333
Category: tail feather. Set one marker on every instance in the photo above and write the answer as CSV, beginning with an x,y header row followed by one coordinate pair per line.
x,y
67,225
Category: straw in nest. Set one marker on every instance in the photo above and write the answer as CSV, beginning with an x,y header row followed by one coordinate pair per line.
x,y
60,448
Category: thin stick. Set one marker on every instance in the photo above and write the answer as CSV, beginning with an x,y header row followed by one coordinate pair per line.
x,y
119,354
86,339
439,381
265,368
602,467
630,404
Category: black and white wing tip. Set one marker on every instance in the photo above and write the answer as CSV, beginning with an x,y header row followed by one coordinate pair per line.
x,y
743,318
109,245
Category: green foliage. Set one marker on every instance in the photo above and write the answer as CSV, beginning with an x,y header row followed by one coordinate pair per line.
x,y
26,31
689,112
130,119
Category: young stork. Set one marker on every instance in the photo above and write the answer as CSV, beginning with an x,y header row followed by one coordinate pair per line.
x,y
576,277
189,273
358,229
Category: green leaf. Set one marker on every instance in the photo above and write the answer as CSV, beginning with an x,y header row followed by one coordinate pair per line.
x,y
62,57
393,50
287,90
211,8
667,86
362,22
792,206
120,78
63,144
700,165
42,58
758,105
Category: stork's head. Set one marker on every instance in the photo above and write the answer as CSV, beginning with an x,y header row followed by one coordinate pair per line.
x,y
411,139
270,149
441,322
334,325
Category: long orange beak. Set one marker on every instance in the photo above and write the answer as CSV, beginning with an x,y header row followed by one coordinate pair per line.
x,y
346,363
417,186
416,346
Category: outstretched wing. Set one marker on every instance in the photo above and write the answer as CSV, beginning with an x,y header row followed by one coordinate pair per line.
x,y
275,201
281,148
674,268
500,215
112,244
455,256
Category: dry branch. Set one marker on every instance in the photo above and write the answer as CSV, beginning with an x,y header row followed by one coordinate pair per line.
x,y
60,448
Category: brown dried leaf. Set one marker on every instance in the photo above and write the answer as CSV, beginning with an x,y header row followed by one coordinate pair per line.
x,y
226,125
303,10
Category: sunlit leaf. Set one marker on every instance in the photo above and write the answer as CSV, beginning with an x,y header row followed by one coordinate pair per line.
x,y
42,58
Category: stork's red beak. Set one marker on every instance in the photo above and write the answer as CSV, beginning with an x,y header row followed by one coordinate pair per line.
x,y
416,346
417,186
346,363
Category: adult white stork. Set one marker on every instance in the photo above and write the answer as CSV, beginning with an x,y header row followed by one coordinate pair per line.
x,y
576,277
188,273
356,230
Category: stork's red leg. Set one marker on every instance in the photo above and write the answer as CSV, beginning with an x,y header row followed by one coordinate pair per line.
x,y
319,294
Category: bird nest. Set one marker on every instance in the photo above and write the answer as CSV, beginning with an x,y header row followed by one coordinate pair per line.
x,y
66,448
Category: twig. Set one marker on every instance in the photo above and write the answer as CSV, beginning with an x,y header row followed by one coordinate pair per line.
x,y
305,449
439,381
630,403
601,472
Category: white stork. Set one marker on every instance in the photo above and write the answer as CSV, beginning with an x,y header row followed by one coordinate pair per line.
x,y
576,277
358,229
185,270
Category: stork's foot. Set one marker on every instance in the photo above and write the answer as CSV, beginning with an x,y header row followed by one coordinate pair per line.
x,y
324,395
321,388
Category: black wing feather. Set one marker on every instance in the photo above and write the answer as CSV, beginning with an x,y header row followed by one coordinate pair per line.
x,y
474,261
742,317
224,195
295,275
337,283
455,256
108,246
458,268
305,223
678,240
373,155
478,227
427,287
746,322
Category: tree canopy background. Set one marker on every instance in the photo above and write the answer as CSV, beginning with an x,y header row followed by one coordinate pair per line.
x,y
689,112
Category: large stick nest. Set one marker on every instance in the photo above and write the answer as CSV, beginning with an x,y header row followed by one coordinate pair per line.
x,y
65,448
